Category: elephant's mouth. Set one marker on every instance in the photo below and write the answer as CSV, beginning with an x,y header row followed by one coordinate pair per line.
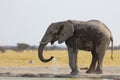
x,y
54,39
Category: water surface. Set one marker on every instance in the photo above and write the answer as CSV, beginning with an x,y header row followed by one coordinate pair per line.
x,y
23,78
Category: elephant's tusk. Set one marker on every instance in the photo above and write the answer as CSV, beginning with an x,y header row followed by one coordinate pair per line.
x,y
43,42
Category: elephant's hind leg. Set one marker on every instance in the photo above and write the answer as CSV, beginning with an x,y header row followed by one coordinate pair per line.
x,y
101,52
99,69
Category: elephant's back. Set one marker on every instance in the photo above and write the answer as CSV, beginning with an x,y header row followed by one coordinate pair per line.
x,y
96,28
93,27
101,28
92,30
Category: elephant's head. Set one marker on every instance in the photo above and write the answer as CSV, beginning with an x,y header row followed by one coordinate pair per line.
x,y
60,31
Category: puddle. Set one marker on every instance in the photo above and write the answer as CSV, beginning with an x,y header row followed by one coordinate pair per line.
x,y
25,78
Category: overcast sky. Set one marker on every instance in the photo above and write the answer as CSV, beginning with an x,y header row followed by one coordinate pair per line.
x,y
27,20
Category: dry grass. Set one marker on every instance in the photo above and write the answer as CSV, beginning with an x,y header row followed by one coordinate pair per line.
x,y
11,58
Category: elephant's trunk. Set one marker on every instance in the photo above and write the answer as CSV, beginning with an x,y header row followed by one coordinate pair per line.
x,y
40,53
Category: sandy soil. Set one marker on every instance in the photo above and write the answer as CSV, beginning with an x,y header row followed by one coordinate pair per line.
x,y
50,72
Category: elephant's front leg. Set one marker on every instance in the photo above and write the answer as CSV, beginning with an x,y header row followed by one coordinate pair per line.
x,y
72,53
93,63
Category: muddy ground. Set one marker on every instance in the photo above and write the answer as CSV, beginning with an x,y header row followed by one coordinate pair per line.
x,y
57,72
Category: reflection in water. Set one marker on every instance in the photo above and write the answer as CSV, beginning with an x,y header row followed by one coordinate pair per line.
x,y
22,78
85,79
75,79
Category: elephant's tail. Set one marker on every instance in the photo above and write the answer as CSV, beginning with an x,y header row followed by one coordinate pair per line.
x,y
111,47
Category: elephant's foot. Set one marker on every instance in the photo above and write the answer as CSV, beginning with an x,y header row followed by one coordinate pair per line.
x,y
98,71
90,71
74,72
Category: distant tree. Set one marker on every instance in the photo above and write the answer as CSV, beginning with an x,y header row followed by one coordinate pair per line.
x,y
21,47
115,47
2,50
33,48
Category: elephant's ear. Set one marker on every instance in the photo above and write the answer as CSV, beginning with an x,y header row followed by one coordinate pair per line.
x,y
66,31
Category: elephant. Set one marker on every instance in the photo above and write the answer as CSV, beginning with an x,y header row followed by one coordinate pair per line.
x,y
91,35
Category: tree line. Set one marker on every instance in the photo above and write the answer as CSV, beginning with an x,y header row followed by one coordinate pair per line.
x,y
24,46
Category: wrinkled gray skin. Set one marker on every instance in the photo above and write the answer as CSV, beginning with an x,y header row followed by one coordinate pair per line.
x,y
90,35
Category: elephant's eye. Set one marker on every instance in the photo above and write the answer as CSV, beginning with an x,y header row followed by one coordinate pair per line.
x,y
50,32
62,34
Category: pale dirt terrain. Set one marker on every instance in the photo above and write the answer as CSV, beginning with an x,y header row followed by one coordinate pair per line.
x,y
58,72
27,64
